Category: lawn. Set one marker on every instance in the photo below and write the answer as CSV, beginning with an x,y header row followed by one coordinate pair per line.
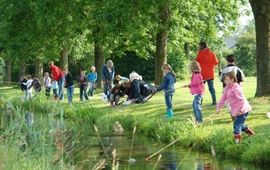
x,y
215,132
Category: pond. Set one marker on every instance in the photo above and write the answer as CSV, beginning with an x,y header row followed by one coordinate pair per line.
x,y
172,158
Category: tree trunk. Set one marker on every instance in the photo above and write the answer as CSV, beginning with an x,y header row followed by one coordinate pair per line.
x,y
39,69
161,41
22,70
8,64
64,58
99,57
261,11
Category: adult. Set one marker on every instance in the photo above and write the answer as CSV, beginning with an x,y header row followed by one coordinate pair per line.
x,y
107,77
231,67
59,76
208,61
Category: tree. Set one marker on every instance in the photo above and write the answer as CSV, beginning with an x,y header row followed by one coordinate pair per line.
x,y
261,11
245,50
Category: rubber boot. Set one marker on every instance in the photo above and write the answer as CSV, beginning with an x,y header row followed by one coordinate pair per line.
x,y
237,138
249,132
169,114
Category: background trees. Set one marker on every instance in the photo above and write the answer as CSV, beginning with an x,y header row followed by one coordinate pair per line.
x,y
141,35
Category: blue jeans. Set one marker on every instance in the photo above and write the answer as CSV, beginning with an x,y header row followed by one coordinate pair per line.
x,y
107,85
212,90
61,88
238,124
197,107
168,100
83,93
70,91
91,88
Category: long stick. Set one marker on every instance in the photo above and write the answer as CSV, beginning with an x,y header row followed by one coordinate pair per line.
x,y
131,147
104,150
149,157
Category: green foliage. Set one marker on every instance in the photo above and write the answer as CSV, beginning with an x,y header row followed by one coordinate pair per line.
x,y
245,50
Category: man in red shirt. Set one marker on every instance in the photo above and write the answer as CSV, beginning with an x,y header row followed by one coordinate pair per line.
x,y
59,76
208,61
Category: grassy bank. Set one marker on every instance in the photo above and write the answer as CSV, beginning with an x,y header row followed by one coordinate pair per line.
x,y
149,119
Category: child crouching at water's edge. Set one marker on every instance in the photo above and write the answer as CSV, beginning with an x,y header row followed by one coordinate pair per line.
x,y
239,105
196,87
169,80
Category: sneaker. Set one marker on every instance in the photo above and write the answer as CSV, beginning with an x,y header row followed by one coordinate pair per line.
x,y
237,138
250,132
169,114
214,103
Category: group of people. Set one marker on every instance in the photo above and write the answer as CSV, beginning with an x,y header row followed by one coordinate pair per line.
x,y
138,91
203,71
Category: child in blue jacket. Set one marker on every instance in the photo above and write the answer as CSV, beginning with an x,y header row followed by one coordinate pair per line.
x,y
168,87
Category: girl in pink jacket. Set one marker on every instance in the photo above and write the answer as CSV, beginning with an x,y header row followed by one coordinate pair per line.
x,y
239,105
196,87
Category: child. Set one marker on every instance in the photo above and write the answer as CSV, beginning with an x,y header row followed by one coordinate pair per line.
x,y
196,87
168,87
92,78
47,83
55,89
69,84
119,90
232,67
28,84
23,82
36,84
83,86
240,107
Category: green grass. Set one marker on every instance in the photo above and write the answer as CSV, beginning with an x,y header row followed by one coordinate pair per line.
x,y
150,120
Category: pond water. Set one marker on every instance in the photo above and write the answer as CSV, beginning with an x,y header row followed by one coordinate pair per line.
x,y
171,158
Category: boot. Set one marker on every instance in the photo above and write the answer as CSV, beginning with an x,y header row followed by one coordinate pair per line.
x,y
169,114
249,132
237,138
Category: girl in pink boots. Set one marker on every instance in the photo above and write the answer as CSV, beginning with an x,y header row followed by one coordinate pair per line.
x,y
239,105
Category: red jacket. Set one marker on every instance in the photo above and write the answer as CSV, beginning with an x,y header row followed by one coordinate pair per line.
x,y
57,74
207,60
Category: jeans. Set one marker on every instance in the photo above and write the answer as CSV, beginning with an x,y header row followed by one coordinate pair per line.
x,y
48,91
70,91
83,93
107,85
197,107
60,88
238,124
212,90
91,88
168,100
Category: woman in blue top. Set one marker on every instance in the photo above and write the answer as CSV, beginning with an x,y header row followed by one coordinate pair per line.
x,y
92,78
168,87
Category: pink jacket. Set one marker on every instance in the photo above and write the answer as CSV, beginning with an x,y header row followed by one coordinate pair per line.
x,y
234,96
196,85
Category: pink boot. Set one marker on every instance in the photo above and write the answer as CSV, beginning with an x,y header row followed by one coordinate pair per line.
x,y
249,132
237,138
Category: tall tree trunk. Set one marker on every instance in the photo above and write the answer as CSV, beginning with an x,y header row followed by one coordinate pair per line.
x,y
39,69
99,57
261,11
161,41
8,63
22,70
64,58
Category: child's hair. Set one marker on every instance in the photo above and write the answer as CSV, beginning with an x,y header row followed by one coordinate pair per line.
x,y
195,66
231,75
168,67
51,63
93,68
230,58
46,74
28,76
